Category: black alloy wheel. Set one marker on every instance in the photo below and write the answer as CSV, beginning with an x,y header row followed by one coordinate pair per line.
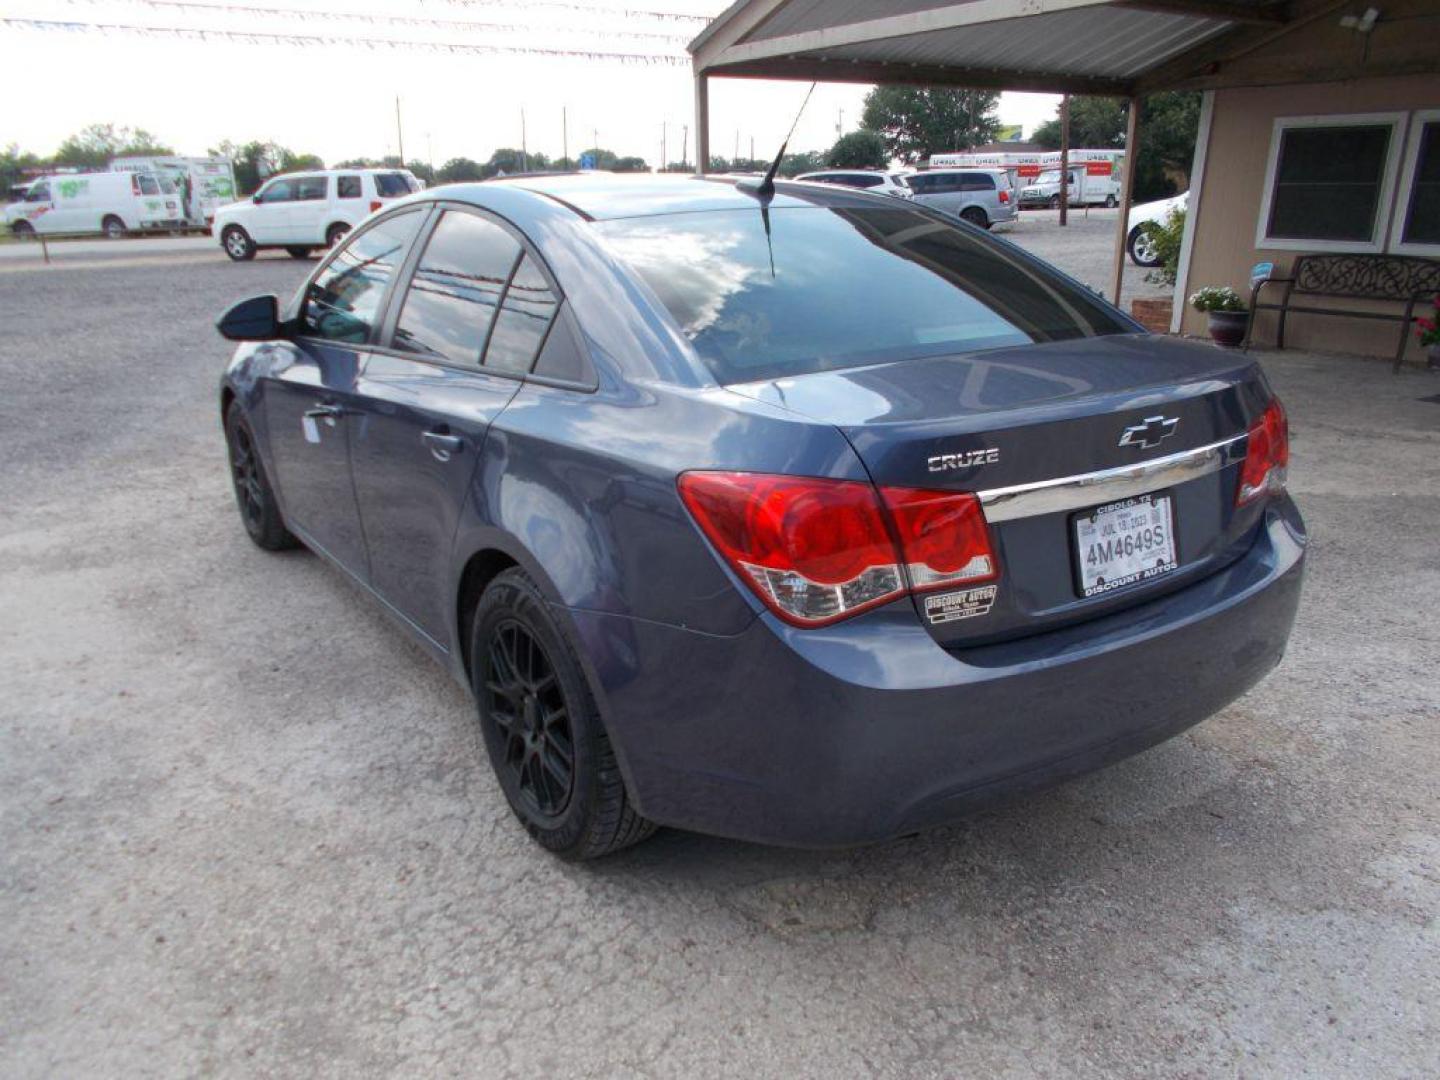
x,y
542,731
526,704
259,511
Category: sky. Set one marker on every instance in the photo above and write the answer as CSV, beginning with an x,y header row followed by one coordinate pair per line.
x,y
337,99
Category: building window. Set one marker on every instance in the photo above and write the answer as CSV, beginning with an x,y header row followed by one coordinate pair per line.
x,y
1417,210
1328,182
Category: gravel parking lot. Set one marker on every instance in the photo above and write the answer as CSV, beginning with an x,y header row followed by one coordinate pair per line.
x,y
248,829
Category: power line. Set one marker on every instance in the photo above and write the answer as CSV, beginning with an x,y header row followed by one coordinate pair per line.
x,y
593,9
373,19
257,37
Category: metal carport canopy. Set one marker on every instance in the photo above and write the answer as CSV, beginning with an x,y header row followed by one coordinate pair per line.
x,y
1116,47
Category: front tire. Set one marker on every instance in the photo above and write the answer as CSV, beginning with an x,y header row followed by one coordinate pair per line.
x,y
542,730
113,228
23,230
1054,202
254,496
298,252
1111,202
237,243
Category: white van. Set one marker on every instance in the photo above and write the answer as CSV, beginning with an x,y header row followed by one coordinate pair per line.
x,y
113,203
1094,179
304,211
203,184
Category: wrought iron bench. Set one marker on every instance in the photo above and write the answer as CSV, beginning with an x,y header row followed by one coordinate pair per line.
x,y
1403,279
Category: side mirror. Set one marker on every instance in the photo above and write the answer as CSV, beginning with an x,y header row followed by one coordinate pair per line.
x,y
256,319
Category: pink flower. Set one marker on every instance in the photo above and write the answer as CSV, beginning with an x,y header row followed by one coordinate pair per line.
x,y
1426,324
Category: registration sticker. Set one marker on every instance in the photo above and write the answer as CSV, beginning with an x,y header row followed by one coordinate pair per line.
x,y
965,604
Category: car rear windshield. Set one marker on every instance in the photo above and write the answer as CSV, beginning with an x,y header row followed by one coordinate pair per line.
x,y
806,289
390,185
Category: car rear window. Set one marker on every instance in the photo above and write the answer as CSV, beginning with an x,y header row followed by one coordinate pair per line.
x,y
391,185
831,287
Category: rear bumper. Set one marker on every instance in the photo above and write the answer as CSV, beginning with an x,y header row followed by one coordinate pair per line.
x,y
868,729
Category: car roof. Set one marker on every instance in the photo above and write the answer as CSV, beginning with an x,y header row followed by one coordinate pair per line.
x,y
601,196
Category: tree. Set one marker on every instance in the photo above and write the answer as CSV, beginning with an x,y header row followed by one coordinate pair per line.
x,y
460,170
630,164
1168,126
508,161
255,162
13,164
94,146
863,149
917,121
803,161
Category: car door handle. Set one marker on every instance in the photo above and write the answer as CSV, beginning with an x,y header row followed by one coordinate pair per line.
x,y
326,412
442,444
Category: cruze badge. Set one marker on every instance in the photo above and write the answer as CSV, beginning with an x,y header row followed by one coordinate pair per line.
x,y
1150,433
966,459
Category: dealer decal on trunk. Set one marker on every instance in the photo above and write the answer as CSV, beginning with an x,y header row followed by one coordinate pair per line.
x,y
965,604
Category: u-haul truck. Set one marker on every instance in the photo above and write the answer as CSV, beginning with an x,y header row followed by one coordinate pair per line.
x,y
1095,177
1021,168
113,203
204,184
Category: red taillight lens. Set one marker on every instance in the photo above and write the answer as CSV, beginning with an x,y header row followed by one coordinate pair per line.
x,y
820,550
1004,196
1267,455
943,536
814,550
375,204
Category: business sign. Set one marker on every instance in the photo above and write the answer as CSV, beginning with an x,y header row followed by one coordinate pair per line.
x,y
1099,168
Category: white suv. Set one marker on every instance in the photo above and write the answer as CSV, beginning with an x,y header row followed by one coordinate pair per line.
x,y
303,211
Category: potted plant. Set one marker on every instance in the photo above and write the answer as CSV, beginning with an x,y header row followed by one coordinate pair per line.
x,y
1226,310
1429,334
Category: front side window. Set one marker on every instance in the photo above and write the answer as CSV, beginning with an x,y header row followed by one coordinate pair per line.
x,y
277,191
348,187
1326,183
310,188
343,301
456,289
38,193
525,315
824,288
1420,206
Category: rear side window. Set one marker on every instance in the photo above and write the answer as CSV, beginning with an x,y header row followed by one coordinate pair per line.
x,y
343,302
456,289
864,181
348,187
391,185
310,188
830,288
978,182
525,315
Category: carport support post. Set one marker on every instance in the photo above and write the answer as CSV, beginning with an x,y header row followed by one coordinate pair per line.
x,y
702,122
1064,160
1127,185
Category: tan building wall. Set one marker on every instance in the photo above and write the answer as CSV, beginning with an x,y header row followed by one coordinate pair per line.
x,y
1233,187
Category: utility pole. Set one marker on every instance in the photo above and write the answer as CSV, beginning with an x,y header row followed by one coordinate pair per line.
x,y
1064,160
399,133
664,164
524,150
736,156
595,144
565,137
839,123
430,155
752,151
684,143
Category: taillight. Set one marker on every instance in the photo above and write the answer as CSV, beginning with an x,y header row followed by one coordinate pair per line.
x,y
1267,455
817,550
943,536
814,550
375,204
1004,196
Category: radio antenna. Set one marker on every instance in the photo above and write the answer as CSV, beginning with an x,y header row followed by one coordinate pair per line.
x,y
765,189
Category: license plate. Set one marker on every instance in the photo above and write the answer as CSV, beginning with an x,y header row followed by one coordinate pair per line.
x,y
1124,542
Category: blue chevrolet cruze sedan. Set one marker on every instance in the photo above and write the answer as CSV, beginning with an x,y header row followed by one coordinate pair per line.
x,y
787,513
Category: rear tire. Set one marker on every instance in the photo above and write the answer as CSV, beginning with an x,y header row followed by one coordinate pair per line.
x,y
298,252
1141,247
259,512
113,228
975,216
237,243
336,233
1111,202
542,730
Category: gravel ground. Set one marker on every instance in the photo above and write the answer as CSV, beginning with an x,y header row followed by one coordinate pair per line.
x,y
248,829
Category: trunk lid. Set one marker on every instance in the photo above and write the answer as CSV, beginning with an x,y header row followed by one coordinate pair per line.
x,y
1029,428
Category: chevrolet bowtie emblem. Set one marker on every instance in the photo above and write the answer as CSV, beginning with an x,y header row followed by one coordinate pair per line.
x,y
1149,433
